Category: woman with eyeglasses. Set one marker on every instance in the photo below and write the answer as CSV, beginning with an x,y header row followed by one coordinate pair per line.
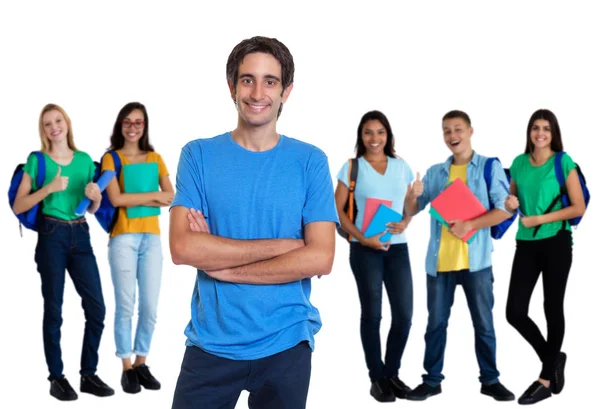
x,y
134,250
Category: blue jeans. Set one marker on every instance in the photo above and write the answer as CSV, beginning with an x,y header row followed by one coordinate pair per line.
x,y
61,246
135,260
371,269
278,381
478,287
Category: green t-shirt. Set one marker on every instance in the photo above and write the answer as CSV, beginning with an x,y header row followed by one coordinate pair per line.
x,y
80,172
537,187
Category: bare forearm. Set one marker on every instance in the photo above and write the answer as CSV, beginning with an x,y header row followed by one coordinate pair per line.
x,y
349,227
295,265
209,252
134,199
567,213
411,206
489,219
24,203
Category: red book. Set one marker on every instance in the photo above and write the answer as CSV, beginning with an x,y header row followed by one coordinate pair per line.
x,y
370,209
457,202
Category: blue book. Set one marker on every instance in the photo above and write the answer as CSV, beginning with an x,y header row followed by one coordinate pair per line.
x,y
383,216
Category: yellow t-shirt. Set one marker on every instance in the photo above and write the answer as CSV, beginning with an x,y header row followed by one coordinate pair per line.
x,y
453,254
140,224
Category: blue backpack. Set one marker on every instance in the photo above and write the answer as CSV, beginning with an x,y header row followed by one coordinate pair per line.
x,y
30,218
563,195
107,214
498,230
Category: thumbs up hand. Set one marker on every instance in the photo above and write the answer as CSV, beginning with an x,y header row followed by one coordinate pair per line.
x,y
59,183
415,190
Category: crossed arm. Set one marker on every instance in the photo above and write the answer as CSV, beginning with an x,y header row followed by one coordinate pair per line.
x,y
268,261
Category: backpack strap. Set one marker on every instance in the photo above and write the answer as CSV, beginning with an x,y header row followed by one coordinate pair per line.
x,y
116,161
560,177
352,176
558,170
352,173
41,170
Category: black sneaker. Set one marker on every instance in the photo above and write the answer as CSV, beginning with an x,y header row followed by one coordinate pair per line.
x,y
424,391
535,393
497,391
147,380
62,390
94,385
558,382
130,381
399,388
381,391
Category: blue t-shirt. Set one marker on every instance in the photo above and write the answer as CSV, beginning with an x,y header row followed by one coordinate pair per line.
x,y
253,195
392,185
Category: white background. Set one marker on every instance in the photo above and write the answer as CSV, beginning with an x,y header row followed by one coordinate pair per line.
x,y
497,61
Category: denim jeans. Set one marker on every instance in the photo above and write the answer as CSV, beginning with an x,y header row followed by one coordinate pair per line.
x,y
371,269
478,287
135,261
64,245
279,381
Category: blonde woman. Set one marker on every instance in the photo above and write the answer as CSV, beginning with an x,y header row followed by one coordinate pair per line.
x,y
64,245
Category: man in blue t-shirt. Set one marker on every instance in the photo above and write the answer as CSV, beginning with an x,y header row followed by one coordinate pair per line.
x,y
254,213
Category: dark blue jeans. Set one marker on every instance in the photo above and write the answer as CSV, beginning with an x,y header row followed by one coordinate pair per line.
x,y
278,381
371,269
478,287
66,246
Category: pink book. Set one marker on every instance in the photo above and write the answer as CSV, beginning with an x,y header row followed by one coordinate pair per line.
x,y
457,202
370,210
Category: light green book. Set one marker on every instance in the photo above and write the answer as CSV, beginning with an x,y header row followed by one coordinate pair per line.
x,y
141,178
434,213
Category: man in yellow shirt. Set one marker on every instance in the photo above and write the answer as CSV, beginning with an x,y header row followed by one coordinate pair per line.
x,y
452,261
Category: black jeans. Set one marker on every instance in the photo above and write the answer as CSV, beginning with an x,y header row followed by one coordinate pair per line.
x,y
61,246
373,268
552,258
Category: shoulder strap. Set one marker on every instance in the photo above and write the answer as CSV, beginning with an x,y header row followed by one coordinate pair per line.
x,y
487,171
41,170
352,173
561,182
558,170
116,161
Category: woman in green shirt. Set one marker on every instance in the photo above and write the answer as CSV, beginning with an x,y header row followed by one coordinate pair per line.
x,y
544,245
64,244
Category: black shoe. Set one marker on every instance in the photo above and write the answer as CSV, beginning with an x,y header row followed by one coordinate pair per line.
x,y
398,387
62,390
497,391
381,391
535,393
558,382
424,391
147,380
130,381
94,385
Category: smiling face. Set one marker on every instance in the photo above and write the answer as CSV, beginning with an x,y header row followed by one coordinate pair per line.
x,y
374,137
457,135
132,126
258,92
55,126
541,134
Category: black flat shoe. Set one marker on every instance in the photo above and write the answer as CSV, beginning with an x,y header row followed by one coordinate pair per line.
x,y
399,388
535,393
381,391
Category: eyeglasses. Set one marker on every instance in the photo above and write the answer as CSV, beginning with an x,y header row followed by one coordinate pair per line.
x,y
127,123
